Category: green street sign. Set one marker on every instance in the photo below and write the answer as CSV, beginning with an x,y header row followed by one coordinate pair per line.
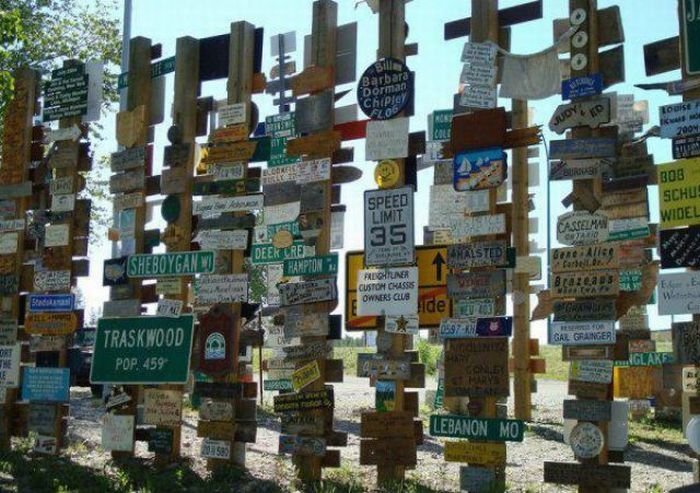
x,y
691,36
311,266
170,264
497,430
142,350
648,359
440,125
629,234
164,66
439,394
267,253
281,384
630,280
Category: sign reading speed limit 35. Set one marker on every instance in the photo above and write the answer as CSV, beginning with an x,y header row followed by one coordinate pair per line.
x,y
389,227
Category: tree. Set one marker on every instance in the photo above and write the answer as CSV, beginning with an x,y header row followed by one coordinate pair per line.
x,y
43,33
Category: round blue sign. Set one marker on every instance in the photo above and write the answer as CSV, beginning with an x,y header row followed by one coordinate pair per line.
x,y
384,89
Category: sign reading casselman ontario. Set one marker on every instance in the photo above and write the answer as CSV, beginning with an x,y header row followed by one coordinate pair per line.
x,y
170,264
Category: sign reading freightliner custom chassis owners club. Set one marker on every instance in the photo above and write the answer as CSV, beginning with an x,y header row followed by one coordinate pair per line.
x,y
142,350
389,236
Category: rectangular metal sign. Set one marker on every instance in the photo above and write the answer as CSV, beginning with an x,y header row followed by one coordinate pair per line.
x,y
387,291
586,284
45,384
497,430
389,237
679,119
679,293
582,148
311,266
580,333
51,302
678,184
170,264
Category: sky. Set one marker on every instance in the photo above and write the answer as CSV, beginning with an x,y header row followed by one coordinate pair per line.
x,y
437,67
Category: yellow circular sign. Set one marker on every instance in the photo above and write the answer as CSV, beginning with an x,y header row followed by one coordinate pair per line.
x,y
282,239
387,173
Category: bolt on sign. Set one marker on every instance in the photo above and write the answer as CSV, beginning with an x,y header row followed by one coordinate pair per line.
x,y
679,119
66,95
401,324
587,410
496,430
267,253
474,478
301,445
588,284
679,183
50,302
582,148
221,288
170,264
384,89
386,139
452,328
387,291
679,293
389,237
478,170
9,365
477,367
581,333
578,169
483,454
582,228
142,350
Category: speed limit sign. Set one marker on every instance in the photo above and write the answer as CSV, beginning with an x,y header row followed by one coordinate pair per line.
x,y
389,227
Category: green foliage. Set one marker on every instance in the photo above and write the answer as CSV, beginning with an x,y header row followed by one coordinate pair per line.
x,y
429,355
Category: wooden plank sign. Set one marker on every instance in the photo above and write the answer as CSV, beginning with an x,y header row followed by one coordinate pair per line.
x,y
686,342
582,148
584,310
298,423
582,228
581,333
592,113
585,284
388,451
598,371
680,247
387,425
584,258
302,446
679,119
484,454
678,293
162,407
591,475
477,284
50,323
215,340
578,169
302,401
477,367
587,410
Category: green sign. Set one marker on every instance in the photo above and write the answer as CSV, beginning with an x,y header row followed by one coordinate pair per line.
x,y
648,359
170,264
281,384
497,430
267,253
311,266
439,394
440,125
292,227
280,128
630,280
142,350
165,66
66,95
629,234
691,36
385,396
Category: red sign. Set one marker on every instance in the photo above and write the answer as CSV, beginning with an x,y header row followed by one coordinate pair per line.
x,y
215,341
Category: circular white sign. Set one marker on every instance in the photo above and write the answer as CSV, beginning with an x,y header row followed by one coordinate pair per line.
x,y
578,17
580,39
579,61
586,440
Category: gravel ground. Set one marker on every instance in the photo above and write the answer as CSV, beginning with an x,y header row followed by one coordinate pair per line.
x,y
663,465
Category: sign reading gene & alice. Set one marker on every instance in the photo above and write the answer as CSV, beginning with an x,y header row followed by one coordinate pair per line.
x,y
170,264
384,89
142,350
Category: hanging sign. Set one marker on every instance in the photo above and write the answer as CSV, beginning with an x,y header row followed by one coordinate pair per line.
x,y
478,170
387,291
580,333
389,238
384,89
582,228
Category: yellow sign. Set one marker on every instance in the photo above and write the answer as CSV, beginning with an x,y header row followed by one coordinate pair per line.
x,y
50,324
387,173
635,382
679,193
433,303
305,375
485,454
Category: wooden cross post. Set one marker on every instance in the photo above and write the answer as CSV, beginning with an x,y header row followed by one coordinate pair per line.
x,y
15,171
138,100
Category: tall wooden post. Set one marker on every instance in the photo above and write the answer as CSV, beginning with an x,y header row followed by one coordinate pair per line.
x,y
521,282
15,171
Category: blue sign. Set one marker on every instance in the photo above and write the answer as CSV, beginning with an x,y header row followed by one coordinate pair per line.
x,y
385,89
51,302
582,87
478,170
494,327
46,384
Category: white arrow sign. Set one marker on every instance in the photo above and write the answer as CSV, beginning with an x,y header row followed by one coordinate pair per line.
x,y
70,133
586,113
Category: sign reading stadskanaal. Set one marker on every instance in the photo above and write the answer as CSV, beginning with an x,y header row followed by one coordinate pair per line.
x,y
389,227
142,350
170,264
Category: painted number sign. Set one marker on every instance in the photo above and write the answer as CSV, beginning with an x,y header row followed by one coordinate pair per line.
x,y
389,227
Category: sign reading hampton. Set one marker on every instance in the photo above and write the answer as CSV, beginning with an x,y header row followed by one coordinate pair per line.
x,y
170,264
142,350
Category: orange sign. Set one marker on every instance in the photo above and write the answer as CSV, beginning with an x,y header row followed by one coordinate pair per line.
x,y
50,324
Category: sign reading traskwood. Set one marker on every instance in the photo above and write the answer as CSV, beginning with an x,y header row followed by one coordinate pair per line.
x,y
170,264
142,350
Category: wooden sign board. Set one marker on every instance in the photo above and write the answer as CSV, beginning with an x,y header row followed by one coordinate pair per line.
x,y
387,425
591,113
584,258
582,228
320,144
473,478
128,159
375,366
162,407
479,130
303,401
388,451
229,390
592,147
479,453
588,284
686,342
588,390
216,429
477,284
301,423
587,410
591,475
63,323
476,367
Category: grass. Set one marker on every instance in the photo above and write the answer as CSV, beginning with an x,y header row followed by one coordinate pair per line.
x,y
657,431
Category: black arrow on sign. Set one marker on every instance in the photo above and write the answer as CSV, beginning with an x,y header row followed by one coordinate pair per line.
x,y
438,262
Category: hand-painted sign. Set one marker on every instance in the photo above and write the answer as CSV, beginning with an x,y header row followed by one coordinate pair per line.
x,y
582,148
579,333
678,185
477,367
477,284
52,280
679,293
591,113
686,342
386,139
375,366
581,228
586,284
389,227
584,258
45,384
679,119
581,87
302,446
221,288
51,302
477,254
170,264
142,350
584,310
387,291
162,407
219,205
295,293
215,340
586,440
597,371
384,89
481,453
477,170
497,430
61,323
303,401
680,247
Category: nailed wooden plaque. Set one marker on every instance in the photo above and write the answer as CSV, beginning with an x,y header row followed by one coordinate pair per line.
x,y
591,475
477,254
131,125
588,390
477,367
587,410
50,323
478,130
388,451
313,79
584,258
386,425
302,401
588,284
321,144
477,284
686,342
481,453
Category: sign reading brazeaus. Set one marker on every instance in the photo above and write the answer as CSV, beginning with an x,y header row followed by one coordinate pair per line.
x,y
389,227
586,284
170,264
384,89
142,350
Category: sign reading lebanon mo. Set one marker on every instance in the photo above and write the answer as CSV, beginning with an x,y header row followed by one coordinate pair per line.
x,y
142,350
170,264
501,430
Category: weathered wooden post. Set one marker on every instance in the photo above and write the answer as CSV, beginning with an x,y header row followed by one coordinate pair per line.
x,y
16,192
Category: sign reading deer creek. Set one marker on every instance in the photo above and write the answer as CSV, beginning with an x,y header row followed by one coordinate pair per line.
x,y
170,264
384,89
389,227
142,350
